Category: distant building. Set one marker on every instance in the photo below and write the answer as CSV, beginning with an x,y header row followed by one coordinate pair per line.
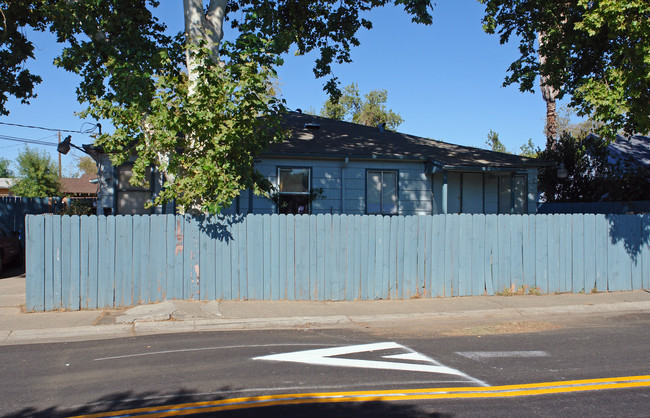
x,y
5,185
84,186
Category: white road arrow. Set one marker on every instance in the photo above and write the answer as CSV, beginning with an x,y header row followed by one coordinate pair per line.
x,y
326,357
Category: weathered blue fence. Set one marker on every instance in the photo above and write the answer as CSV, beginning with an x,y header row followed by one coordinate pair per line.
x,y
97,262
13,209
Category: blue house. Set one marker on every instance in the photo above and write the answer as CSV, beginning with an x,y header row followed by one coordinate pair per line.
x,y
330,166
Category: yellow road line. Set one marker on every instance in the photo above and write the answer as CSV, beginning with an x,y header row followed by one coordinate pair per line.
x,y
385,396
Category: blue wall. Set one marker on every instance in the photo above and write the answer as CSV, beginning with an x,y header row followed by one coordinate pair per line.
x,y
101,262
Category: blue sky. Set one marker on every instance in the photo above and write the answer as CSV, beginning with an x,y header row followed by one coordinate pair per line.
x,y
445,80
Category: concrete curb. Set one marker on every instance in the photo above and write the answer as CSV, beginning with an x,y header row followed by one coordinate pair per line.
x,y
146,326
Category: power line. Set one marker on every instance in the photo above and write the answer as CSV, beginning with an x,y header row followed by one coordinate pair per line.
x,y
27,141
51,129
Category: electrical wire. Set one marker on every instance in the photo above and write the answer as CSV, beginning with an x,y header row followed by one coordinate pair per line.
x,y
27,141
53,129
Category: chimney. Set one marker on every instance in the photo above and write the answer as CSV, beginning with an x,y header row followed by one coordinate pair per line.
x,y
382,127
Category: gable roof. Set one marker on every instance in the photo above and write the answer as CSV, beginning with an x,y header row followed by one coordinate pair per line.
x,y
79,186
635,149
318,137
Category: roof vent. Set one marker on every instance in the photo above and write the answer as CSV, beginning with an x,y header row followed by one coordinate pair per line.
x,y
312,126
382,127
299,110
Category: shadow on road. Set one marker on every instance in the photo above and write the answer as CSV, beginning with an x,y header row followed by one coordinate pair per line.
x,y
129,400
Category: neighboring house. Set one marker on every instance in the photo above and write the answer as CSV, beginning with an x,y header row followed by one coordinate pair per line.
x,y
6,184
329,166
84,186
635,149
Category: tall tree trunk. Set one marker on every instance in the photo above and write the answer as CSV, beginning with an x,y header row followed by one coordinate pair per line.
x,y
549,93
207,28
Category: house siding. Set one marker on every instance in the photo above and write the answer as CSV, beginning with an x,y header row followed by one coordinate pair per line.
x,y
344,188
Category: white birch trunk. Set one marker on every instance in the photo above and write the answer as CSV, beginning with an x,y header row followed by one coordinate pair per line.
x,y
200,27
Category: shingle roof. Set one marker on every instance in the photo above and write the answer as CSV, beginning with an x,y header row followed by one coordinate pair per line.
x,y
635,148
328,138
80,185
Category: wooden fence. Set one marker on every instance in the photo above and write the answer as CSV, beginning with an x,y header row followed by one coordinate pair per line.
x,y
97,262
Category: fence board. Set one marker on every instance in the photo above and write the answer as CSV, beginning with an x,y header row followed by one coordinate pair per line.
x,y
66,256
491,253
266,267
578,254
634,251
590,251
477,279
75,267
411,287
371,254
302,258
317,263
123,261
35,264
645,250
50,248
343,258
93,262
335,272
528,252
465,256
505,259
291,257
541,252
516,251
439,252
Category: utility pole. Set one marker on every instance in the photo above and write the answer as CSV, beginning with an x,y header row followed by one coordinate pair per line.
x,y
59,154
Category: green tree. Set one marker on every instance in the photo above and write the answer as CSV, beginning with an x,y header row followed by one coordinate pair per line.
x,y
592,177
86,165
494,143
369,110
193,105
37,175
5,171
596,52
529,149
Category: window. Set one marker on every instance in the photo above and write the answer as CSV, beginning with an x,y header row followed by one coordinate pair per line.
x,y
512,194
131,199
294,190
381,189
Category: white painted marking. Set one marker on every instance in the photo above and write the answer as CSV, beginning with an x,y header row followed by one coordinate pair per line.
x,y
478,355
187,350
326,357
409,356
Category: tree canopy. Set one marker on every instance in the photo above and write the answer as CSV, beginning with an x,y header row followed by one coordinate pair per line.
x,y
592,176
37,175
494,143
202,129
369,110
5,170
596,52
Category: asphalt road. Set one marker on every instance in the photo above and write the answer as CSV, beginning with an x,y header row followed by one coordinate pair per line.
x,y
213,368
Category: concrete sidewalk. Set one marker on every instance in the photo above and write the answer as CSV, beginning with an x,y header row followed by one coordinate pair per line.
x,y
18,327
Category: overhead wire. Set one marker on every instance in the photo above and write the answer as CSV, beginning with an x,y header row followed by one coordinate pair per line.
x,y
27,140
40,127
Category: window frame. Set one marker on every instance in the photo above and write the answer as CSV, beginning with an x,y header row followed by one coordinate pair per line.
x,y
309,169
382,171
512,197
123,187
